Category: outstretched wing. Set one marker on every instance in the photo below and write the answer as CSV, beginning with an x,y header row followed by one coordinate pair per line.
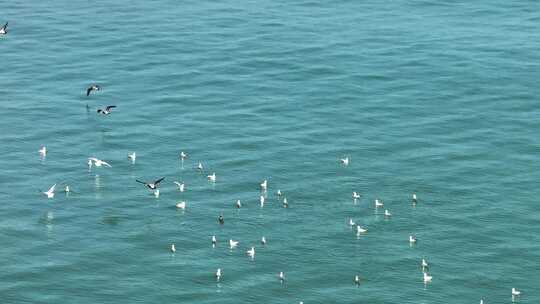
x,y
5,26
159,181
110,107
138,181
51,189
88,91
106,164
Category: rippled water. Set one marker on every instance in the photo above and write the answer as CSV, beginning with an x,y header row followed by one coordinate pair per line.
x,y
437,99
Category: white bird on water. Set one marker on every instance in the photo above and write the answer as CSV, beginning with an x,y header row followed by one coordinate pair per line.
x,y
251,252
345,161
387,213
238,204
212,177
481,301
183,155
200,166
515,292
181,186
261,200
98,162
263,240
414,198
218,274
89,164
355,195
43,151
233,244
378,203
214,241
357,279
50,193
281,276
427,278
359,229
351,222
412,239
279,192
173,248
132,156
264,185
181,205
285,203
66,189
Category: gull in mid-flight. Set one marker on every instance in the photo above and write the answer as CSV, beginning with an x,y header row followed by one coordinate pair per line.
x,y
180,185
97,162
3,29
181,205
43,151
233,244
106,111
50,193
345,161
132,157
91,88
151,185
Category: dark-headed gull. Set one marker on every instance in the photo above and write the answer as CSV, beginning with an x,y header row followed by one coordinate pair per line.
x,y
92,88
3,29
151,185
106,111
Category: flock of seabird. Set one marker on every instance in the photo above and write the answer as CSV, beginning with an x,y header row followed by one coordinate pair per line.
x,y
154,187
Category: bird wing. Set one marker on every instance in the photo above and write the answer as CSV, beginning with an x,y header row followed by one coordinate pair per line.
x,y
5,26
51,189
110,107
88,91
138,181
93,159
159,181
106,164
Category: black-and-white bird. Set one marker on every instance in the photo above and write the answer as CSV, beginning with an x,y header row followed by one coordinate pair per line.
x,y
91,88
152,185
106,111
3,30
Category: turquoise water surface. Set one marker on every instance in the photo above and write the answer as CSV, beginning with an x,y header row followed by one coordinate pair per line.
x,y
436,98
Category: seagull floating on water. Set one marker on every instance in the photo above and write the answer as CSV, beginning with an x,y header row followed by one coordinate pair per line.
x,y
281,276
97,162
67,190
387,213
285,203
412,239
414,199
515,292
238,204
214,241
355,195
3,29
279,192
263,240
481,301
200,166
344,161
151,185
233,244
427,278
212,177
264,185
251,252
132,157
181,205
378,203
357,279
221,220
218,274
180,185
92,88
351,222
43,151
50,193
106,111
173,249
360,230
183,155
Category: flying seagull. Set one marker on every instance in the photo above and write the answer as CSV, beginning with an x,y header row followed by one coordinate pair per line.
x,y
97,162
91,88
152,185
3,30
107,110
50,193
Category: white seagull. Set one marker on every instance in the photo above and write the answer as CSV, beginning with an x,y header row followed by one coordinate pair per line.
x,y
414,198
212,177
132,157
233,244
357,279
98,162
351,222
173,249
263,240
50,193
200,166
183,155
285,203
412,239
281,276
66,189
481,301
214,241
43,151
279,192
238,204
251,252
360,230
355,195
264,185
427,278
181,205
378,203
387,213
515,292
3,29
218,274
89,164
181,186
345,161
